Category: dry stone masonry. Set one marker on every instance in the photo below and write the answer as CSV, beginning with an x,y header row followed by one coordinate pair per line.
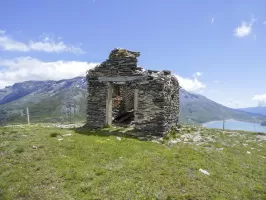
x,y
120,91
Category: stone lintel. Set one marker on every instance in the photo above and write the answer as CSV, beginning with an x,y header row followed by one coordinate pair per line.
x,y
119,78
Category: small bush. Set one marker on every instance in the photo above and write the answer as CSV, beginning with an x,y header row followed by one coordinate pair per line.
x,y
167,137
99,172
179,126
194,128
85,188
207,145
37,158
13,132
19,150
54,134
107,126
173,133
188,130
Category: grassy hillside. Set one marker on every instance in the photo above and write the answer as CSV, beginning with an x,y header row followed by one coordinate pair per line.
x,y
47,163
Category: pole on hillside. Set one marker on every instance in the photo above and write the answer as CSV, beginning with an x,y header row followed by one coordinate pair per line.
x,y
70,112
223,124
254,123
28,116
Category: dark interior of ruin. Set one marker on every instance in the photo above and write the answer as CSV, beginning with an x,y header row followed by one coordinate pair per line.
x,y
123,105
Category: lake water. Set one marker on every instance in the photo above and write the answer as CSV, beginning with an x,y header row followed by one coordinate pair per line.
x,y
236,125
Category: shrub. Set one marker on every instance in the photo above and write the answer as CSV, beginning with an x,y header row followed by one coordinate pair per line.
x,y
179,126
188,130
19,150
107,126
194,128
54,134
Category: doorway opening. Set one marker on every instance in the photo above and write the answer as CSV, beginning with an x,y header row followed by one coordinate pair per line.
x,y
122,104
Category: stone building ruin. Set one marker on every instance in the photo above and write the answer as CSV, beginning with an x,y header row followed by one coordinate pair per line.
x,y
121,92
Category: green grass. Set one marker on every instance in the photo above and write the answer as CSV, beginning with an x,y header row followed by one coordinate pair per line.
x,y
95,165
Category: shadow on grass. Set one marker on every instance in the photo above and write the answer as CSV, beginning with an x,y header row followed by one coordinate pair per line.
x,y
111,131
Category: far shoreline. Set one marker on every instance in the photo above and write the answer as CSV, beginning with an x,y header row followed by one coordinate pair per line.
x,y
235,126
231,119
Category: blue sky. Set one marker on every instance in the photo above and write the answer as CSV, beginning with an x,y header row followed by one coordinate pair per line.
x,y
216,48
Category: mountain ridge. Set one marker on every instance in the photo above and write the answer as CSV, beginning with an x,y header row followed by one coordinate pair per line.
x,y
51,101
255,110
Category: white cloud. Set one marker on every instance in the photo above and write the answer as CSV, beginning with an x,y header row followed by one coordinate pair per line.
x,y
197,74
212,21
46,44
264,22
260,97
27,68
216,81
191,84
8,44
244,29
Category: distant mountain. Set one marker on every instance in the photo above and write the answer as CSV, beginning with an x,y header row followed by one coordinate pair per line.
x,y
256,110
48,101
200,109
65,100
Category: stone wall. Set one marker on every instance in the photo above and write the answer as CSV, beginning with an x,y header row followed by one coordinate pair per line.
x,y
119,63
171,102
96,106
149,118
158,105
158,93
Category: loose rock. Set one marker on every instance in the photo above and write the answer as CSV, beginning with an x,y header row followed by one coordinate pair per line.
x,y
204,172
68,134
174,141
